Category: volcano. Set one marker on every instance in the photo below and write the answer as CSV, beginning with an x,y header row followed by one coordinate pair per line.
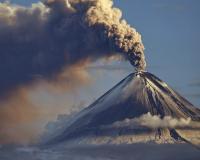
x,y
140,93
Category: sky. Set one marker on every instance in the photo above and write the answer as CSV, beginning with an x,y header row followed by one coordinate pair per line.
x,y
170,32
171,35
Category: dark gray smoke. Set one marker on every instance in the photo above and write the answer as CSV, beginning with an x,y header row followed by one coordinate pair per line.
x,y
46,37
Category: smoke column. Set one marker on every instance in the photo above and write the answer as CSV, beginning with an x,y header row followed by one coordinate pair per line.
x,y
47,37
121,37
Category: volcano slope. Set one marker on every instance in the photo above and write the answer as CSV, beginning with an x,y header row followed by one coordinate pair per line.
x,y
140,108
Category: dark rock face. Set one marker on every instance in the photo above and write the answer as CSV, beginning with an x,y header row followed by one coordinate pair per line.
x,y
137,94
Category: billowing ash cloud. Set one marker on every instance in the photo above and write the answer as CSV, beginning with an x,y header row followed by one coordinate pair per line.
x,y
154,121
45,44
47,37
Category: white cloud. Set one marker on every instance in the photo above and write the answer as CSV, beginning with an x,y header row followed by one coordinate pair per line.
x,y
153,121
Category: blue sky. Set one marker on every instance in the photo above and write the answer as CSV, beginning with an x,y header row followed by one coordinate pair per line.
x,y
171,35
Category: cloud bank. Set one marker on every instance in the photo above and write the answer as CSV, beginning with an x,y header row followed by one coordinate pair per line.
x,y
105,152
154,121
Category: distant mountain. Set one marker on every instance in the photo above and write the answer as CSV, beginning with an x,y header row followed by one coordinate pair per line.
x,y
140,108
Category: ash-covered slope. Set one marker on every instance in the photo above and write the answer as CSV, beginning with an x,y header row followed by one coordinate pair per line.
x,y
138,94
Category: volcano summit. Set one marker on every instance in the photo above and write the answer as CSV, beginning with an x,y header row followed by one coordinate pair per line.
x,y
140,108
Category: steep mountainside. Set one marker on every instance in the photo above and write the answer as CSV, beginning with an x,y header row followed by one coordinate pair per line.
x,y
138,95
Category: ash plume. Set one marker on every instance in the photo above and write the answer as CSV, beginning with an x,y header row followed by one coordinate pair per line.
x,y
47,37
18,119
45,44
23,115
